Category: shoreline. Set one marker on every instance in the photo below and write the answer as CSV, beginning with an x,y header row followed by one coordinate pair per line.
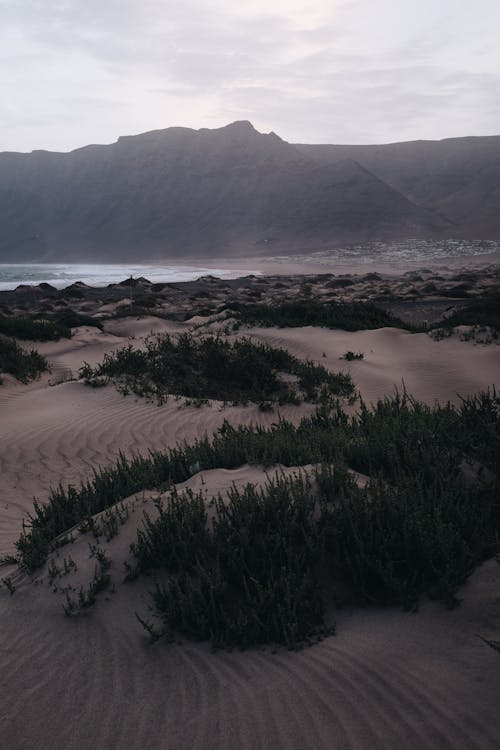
x,y
274,265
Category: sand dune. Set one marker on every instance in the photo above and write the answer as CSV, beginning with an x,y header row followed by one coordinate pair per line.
x,y
430,370
137,327
89,344
383,682
61,433
388,679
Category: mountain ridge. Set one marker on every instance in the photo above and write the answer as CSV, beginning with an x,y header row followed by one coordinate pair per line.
x,y
177,192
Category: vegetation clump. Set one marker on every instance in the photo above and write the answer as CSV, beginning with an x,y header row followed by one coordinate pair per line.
x,y
261,565
244,578
483,312
23,365
349,316
87,596
27,329
350,356
215,368
72,319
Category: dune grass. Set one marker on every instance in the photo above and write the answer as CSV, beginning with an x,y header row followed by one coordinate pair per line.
x,y
246,577
215,368
482,312
72,319
28,329
349,316
416,527
262,568
22,364
262,565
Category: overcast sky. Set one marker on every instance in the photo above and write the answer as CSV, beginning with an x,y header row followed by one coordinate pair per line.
x,y
74,72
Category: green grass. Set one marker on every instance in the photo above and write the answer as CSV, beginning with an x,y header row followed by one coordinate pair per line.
x,y
71,319
349,316
245,578
484,312
262,568
262,565
22,364
215,368
33,330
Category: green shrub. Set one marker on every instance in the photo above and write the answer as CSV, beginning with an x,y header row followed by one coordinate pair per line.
x,y
390,544
351,356
349,316
249,576
33,330
258,567
24,365
215,368
71,319
484,312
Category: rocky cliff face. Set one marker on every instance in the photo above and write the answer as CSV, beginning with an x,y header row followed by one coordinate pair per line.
x,y
232,191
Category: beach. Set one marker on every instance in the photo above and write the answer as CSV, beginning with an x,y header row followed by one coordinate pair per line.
x,y
388,678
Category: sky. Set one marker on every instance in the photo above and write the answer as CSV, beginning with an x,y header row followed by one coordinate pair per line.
x,y
74,72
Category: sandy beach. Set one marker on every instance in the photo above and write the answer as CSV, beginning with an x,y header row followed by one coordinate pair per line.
x,y
387,679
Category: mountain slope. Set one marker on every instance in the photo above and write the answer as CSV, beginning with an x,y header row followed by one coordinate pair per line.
x,y
180,192
457,177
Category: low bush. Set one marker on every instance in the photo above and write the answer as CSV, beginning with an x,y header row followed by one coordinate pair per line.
x,y
417,527
71,319
349,316
33,330
261,565
215,368
351,356
249,576
24,365
483,312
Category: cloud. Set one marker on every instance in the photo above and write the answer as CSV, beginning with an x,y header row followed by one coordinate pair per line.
x,y
323,70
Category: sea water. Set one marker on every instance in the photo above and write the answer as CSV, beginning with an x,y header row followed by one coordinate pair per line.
x,y
403,251
417,251
63,274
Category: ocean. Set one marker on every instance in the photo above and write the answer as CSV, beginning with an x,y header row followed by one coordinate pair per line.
x,y
61,275
401,251
416,251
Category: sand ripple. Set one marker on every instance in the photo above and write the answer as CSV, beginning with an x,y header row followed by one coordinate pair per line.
x,y
92,682
387,680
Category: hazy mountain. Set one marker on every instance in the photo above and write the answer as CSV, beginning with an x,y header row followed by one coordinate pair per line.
x,y
457,177
181,192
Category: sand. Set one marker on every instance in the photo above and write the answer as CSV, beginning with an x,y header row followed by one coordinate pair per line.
x,y
429,370
388,679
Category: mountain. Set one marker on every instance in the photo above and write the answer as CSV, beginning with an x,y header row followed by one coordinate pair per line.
x,y
459,178
198,193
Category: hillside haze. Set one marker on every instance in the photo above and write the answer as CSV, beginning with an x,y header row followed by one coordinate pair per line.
x,y
457,177
234,191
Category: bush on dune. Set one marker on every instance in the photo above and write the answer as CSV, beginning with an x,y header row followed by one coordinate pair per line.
x,y
349,316
262,565
215,368
247,577
24,365
28,329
